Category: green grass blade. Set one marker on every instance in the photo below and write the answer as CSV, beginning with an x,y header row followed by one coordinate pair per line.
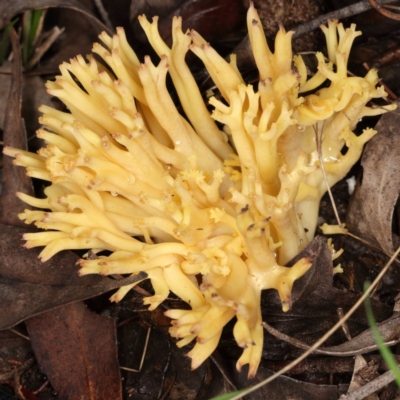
x,y
228,396
36,16
26,28
30,24
383,349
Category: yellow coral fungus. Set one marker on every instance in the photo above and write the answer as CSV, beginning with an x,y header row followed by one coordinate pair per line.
x,y
211,215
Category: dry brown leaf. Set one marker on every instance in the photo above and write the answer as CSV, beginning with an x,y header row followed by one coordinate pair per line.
x,y
29,287
77,350
166,372
364,342
214,18
5,84
33,96
321,271
318,309
371,208
357,380
153,7
16,349
14,179
10,8
361,344
285,388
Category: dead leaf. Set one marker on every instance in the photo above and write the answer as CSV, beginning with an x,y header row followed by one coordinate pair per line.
x,y
5,84
358,378
317,310
15,352
166,371
218,21
365,342
361,344
283,387
153,7
77,350
29,287
14,179
34,95
213,18
321,271
371,208
326,365
10,8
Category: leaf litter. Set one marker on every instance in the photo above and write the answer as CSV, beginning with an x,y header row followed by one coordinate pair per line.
x,y
29,287
372,206
49,298
74,339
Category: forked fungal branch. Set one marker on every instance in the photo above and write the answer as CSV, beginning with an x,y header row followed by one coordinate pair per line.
x,y
211,215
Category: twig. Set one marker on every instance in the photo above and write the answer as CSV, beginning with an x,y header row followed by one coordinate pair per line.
x,y
7,374
163,394
327,365
345,327
326,352
370,387
42,387
19,334
103,13
143,355
384,11
222,371
345,12
169,387
17,385
318,141
39,51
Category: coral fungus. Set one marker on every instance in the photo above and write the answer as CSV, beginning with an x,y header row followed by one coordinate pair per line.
x,y
210,214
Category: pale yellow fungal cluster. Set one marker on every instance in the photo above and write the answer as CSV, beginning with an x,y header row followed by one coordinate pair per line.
x,y
211,214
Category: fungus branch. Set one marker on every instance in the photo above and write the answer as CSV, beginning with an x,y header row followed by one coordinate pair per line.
x,y
211,215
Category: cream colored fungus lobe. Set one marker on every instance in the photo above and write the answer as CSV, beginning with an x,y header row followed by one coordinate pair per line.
x,y
211,215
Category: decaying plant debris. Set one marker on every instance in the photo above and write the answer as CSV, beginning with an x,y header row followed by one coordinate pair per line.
x,y
317,299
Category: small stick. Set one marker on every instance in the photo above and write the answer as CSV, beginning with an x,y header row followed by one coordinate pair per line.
x,y
342,13
370,387
19,334
384,11
345,327
301,345
143,355
39,51
104,14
